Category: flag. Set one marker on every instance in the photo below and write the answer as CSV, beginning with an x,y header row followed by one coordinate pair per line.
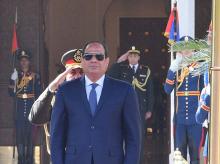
x,y
172,28
14,41
14,47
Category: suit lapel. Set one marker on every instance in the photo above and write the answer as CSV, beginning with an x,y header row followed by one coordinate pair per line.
x,y
103,97
84,96
104,94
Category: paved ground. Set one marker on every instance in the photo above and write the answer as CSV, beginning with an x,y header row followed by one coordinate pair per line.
x,y
156,149
6,155
155,152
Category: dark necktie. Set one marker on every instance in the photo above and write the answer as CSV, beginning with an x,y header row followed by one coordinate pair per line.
x,y
133,69
93,98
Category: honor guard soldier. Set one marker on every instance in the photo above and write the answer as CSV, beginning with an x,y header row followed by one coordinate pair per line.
x,y
202,114
140,77
25,87
203,111
188,88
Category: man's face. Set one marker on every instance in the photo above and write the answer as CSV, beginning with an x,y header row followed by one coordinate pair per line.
x,y
74,74
24,63
133,58
186,53
94,62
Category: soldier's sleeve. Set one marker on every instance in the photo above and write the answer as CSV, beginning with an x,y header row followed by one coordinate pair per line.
x,y
150,94
41,109
114,71
203,110
170,82
38,87
11,87
201,82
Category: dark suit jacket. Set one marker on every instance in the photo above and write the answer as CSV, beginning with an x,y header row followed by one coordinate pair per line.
x,y
76,135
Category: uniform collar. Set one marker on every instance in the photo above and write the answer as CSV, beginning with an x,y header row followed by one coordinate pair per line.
x,y
27,74
136,66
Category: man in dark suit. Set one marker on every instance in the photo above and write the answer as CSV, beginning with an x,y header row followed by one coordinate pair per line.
x,y
95,117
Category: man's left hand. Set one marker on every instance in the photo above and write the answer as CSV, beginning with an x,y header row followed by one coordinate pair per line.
x,y
148,115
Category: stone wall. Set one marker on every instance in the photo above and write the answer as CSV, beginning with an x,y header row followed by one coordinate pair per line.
x,y
72,23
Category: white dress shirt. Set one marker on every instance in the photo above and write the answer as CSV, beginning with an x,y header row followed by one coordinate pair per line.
x,y
135,67
98,89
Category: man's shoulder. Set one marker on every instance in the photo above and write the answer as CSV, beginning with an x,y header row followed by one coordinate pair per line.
x,y
69,84
144,67
34,74
118,83
122,64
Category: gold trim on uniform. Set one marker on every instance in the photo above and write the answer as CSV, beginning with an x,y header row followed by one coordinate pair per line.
x,y
140,85
77,56
24,81
25,96
188,93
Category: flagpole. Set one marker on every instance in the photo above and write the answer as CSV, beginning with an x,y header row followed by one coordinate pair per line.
x,y
15,99
14,28
172,96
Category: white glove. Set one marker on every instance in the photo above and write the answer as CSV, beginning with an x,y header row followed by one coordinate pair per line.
x,y
205,124
14,75
208,89
176,63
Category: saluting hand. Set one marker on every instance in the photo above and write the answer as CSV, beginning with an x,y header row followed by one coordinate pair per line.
x,y
123,57
59,80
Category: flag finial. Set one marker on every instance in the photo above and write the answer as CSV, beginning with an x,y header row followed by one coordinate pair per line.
x,y
186,39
